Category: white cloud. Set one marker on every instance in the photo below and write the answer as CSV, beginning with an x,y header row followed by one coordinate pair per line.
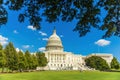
x,y
43,33
61,36
26,46
15,31
17,49
3,40
31,27
42,49
102,42
45,39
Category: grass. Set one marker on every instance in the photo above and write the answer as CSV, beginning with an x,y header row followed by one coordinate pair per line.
x,y
62,75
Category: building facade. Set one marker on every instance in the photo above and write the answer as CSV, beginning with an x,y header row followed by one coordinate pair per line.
x,y
58,59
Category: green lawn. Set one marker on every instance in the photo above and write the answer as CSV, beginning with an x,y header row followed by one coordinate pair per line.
x,y
62,75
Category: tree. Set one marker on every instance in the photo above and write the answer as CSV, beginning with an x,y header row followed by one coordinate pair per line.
x,y
42,60
35,61
28,60
86,12
2,58
115,64
97,62
21,61
11,57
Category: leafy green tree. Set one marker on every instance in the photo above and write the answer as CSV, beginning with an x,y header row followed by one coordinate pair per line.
x,y
42,60
11,57
97,62
2,58
21,61
87,13
28,60
115,64
34,61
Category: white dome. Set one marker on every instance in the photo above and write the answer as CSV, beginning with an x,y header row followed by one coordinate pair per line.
x,y
54,42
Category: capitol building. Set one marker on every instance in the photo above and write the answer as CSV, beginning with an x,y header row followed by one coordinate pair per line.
x,y
58,59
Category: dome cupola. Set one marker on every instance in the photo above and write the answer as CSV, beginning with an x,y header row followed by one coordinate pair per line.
x,y
54,42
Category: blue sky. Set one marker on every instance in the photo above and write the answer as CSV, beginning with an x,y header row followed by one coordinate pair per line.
x,y
25,37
